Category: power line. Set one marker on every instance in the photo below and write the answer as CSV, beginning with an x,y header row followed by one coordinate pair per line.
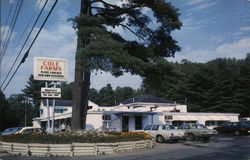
x,y
24,43
26,28
27,53
10,31
7,20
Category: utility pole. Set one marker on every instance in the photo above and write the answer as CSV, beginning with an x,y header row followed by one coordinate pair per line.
x,y
81,82
25,102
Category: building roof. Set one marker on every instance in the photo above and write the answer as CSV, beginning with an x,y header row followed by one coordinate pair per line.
x,y
58,102
146,99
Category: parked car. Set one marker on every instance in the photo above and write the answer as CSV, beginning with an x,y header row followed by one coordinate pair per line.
x,y
10,131
237,128
197,131
163,133
22,130
29,130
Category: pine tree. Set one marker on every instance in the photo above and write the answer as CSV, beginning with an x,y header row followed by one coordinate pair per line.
x,y
101,49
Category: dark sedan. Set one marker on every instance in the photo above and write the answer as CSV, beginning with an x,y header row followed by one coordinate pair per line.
x,y
237,128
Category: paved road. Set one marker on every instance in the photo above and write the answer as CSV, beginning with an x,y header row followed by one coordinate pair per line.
x,y
220,148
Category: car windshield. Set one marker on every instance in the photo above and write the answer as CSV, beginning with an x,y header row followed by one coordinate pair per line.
x,y
165,127
245,124
197,126
12,130
200,126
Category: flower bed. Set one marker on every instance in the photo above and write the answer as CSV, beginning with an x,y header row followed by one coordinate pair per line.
x,y
77,137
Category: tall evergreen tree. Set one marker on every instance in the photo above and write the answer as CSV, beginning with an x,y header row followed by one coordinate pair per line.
x,y
3,111
33,91
101,49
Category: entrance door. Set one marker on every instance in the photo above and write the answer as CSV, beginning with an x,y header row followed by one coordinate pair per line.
x,y
138,122
125,123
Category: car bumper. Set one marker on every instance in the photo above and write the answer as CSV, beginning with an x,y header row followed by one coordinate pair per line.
x,y
177,137
207,135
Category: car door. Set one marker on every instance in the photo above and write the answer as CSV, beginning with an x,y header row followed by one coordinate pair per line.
x,y
154,130
147,129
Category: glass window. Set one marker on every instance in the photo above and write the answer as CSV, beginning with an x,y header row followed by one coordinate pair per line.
x,y
186,127
166,127
155,127
245,124
148,127
234,124
106,117
200,126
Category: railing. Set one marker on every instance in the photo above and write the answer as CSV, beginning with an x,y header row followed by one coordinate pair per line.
x,y
74,149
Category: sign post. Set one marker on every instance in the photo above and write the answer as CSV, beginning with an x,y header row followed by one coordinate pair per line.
x,y
50,69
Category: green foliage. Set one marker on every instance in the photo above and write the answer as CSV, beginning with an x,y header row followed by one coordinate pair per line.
x,y
71,137
106,96
67,90
18,107
221,85
33,91
4,112
99,48
105,50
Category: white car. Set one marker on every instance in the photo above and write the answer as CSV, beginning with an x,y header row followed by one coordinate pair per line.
x,y
163,132
28,130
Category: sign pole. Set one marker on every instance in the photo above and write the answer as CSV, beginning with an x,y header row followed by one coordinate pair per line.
x,y
48,111
53,111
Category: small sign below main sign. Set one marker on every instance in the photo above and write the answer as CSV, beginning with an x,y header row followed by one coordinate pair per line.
x,y
51,92
50,69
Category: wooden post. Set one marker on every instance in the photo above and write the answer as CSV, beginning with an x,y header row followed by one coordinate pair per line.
x,y
96,150
72,150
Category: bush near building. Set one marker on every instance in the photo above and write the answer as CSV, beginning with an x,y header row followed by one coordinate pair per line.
x,y
76,137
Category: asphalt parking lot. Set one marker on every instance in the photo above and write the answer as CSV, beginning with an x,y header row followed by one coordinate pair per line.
x,y
219,148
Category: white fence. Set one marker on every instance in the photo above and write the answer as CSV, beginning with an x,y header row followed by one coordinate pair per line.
x,y
74,149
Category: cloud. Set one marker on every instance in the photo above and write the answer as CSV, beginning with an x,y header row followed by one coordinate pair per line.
x,y
192,24
237,49
192,2
204,6
100,80
245,28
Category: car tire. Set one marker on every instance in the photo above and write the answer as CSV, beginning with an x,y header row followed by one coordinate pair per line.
x,y
237,133
160,139
190,137
206,139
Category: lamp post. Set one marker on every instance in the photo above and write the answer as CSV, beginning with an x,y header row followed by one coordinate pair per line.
x,y
25,101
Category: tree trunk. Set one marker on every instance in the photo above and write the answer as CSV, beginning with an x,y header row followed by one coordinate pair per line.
x,y
82,82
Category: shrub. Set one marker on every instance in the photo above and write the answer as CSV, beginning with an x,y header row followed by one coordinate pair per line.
x,y
77,136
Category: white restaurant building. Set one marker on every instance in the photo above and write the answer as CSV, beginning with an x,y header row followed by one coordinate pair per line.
x,y
132,114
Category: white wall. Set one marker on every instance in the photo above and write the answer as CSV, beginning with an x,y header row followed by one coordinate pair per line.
x,y
94,120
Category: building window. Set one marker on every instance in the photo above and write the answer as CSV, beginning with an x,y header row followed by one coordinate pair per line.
x,y
179,123
58,110
168,117
214,123
106,117
41,111
138,122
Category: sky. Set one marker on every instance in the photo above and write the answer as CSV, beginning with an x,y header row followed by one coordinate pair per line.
x,y
211,29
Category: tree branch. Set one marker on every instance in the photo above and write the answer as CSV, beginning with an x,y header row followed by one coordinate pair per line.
x,y
124,26
105,3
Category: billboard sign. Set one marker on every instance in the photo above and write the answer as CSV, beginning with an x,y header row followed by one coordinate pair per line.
x,y
51,92
50,69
